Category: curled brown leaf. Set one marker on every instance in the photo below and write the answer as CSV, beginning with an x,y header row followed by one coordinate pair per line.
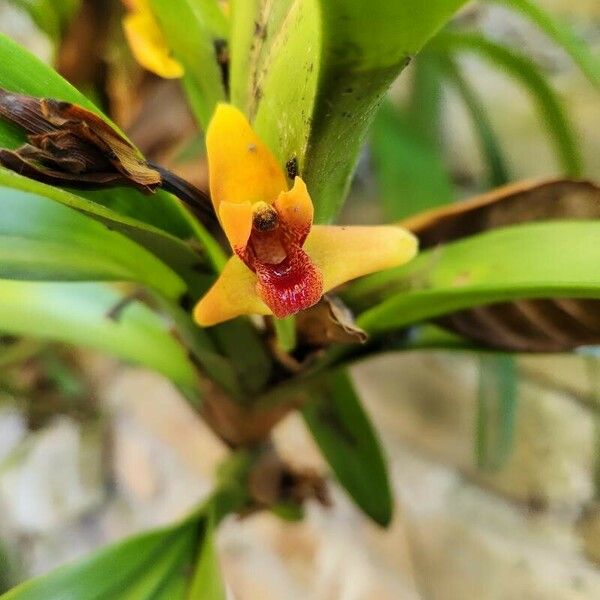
x,y
72,146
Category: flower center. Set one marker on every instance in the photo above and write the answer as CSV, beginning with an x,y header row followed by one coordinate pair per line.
x,y
267,238
264,217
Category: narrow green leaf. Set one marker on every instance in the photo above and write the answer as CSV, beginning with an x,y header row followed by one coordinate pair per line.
x,y
285,329
129,570
536,260
77,313
212,14
425,100
242,344
187,31
42,240
203,348
172,251
410,174
206,582
562,35
345,435
490,147
528,73
496,409
8,570
344,55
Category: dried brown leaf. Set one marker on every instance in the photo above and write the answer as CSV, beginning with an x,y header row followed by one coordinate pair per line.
x,y
71,144
328,322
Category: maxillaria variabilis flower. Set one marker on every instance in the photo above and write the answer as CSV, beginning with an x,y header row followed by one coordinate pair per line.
x,y
147,41
282,263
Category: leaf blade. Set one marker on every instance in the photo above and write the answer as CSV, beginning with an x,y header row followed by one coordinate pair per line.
x,y
169,249
498,173
118,569
42,240
539,260
206,582
410,174
496,409
345,435
77,313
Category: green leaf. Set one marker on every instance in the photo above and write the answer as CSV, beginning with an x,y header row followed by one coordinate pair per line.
x,y
172,251
562,35
186,27
211,13
42,240
77,313
129,570
285,330
496,409
23,73
409,171
345,435
344,55
8,570
528,73
206,581
536,260
425,100
241,343
490,147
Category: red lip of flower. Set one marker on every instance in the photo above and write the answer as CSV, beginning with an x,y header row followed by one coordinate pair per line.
x,y
282,263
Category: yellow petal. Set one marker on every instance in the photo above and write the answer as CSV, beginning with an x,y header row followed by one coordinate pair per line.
x,y
236,220
233,294
241,167
148,44
344,253
296,208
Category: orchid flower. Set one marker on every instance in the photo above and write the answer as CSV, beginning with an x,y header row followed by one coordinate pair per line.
x,y
282,263
147,41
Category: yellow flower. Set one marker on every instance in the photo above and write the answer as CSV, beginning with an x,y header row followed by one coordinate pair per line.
x,y
282,263
147,42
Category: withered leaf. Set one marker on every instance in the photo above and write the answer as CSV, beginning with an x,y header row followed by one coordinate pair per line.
x,y
328,322
69,144
548,325
520,202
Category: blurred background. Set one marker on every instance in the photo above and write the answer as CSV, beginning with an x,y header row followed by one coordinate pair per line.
x,y
494,459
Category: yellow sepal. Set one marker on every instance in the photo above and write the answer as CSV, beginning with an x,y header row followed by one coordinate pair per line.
x,y
233,294
148,44
345,253
241,167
